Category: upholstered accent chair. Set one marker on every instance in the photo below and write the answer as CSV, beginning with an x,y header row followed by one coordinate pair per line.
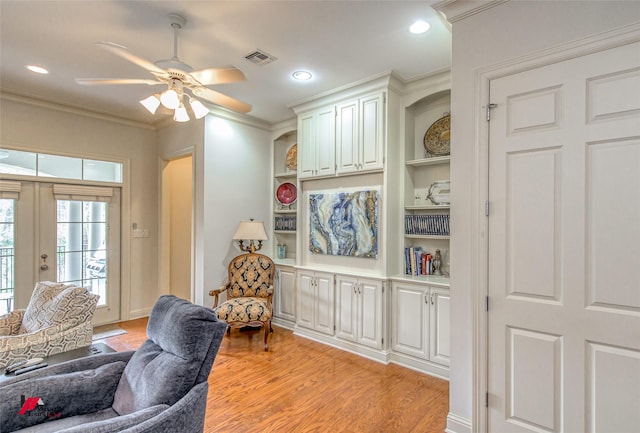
x,y
160,388
57,319
249,294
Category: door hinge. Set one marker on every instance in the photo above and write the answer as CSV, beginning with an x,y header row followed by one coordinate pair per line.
x,y
486,399
382,341
486,303
486,208
489,107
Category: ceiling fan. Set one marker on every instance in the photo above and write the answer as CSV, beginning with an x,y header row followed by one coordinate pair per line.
x,y
178,77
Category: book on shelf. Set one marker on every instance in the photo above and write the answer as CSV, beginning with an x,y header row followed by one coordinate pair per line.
x,y
417,261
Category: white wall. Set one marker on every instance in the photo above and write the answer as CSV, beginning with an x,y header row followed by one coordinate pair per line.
x,y
232,160
510,30
28,125
236,187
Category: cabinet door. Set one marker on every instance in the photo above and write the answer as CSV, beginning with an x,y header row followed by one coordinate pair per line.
x,y
306,297
307,145
370,313
347,308
285,294
410,319
325,142
347,140
371,153
324,300
439,326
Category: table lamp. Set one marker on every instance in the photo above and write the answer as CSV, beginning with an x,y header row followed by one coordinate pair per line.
x,y
250,231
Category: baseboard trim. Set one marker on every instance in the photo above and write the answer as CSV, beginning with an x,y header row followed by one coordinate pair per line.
x,y
137,314
457,424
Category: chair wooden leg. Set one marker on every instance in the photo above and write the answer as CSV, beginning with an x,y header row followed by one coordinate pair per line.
x,y
267,327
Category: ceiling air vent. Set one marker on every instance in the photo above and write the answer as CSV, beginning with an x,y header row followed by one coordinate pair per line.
x,y
260,58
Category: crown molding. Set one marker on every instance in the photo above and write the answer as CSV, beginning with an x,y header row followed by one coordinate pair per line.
x,y
30,100
456,10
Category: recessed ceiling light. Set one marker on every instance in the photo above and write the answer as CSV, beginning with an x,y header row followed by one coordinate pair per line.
x,y
37,69
419,26
301,75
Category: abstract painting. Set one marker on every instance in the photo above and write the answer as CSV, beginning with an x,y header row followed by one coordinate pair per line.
x,y
344,223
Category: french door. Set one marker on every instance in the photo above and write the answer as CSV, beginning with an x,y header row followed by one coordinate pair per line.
x,y
60,232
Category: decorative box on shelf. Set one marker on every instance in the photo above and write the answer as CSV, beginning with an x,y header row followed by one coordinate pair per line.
x,y
285,223
426,225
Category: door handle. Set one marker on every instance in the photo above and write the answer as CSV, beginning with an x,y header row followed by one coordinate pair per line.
x,y
44,267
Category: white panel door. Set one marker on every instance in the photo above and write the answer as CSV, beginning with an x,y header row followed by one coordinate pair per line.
x,y
372,132
305,299
410,319
347,140
439,347
564,247
370,313
326,142
285,296
347,308
324,303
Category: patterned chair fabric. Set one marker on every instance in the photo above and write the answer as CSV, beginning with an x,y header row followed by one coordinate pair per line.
x,y
249,293
57,319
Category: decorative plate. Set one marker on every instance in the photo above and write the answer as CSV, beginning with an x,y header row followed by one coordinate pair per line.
x,y
286,193
437,139
291,160
439,193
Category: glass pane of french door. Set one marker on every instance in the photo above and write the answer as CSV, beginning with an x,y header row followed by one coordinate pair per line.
x,y
81,245
7,239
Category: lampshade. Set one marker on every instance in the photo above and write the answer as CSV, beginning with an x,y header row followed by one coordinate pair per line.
x,y
151,103
250,231
181,115
199,110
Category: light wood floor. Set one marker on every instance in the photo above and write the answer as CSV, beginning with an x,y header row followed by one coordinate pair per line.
x,y
306,387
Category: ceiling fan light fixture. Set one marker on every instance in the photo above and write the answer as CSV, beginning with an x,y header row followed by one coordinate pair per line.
x,y
181,115
199,110
151,103
170,99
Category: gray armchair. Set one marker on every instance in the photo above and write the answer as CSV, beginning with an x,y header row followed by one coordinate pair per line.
x,y
161,387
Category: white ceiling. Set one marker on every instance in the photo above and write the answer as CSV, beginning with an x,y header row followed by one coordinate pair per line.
x,y
340,42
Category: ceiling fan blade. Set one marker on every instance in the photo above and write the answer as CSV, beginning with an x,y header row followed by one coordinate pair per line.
x,y
227,74
221,99
123,52
102,81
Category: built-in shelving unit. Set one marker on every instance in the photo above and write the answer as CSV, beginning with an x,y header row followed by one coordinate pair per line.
x,y
426,223
284,222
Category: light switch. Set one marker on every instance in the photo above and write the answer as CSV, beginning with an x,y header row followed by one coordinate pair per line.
x,y
141,233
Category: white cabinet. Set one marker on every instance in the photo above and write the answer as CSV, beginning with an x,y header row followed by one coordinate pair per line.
x,y
315,301
359,310
360,134
344,138
439,326
284,298
420,321
316,132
